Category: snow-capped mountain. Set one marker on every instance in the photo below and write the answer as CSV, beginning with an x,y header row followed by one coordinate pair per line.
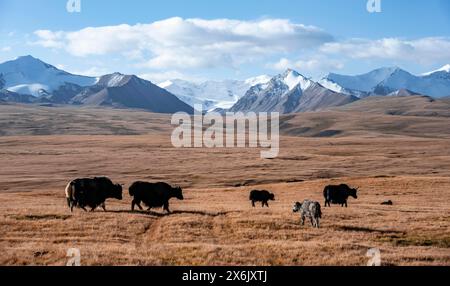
x,y
364,82
212,94
30,80
130,91
387,81
9,96
262,79
290,92
445,68
28,75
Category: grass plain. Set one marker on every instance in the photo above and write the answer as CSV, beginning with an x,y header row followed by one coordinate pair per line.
x,y
392,151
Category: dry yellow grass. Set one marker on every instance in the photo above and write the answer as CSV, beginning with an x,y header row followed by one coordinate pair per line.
x,y
215,224
219,227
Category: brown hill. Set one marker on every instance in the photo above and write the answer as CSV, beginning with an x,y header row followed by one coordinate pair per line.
x,y
401,105
129,91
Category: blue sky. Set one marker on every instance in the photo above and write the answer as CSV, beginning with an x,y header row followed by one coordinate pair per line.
x,y
161,41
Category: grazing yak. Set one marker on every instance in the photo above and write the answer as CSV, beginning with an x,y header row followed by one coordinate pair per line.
x,y
261,196
388,203
91,192
310,209
153,195
338,195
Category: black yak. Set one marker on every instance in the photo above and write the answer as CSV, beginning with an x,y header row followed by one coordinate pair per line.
x,y
153,195
338,194
261,196
91,192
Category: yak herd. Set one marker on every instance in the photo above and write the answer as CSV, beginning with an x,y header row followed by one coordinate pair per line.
x,y
93,193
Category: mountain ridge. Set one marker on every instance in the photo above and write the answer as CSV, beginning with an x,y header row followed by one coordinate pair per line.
x,y
290,92
212,94
385,81
130,91
29,75
30,80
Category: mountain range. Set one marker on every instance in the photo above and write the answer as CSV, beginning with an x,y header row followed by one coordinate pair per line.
x,y
212,94
28,75
388,81
30,80
290,92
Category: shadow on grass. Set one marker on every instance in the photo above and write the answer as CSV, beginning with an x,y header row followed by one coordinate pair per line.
x,y
41,217
366,229
159,214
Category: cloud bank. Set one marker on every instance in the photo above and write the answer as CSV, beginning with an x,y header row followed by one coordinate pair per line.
x,y
426,50
189,43
175,45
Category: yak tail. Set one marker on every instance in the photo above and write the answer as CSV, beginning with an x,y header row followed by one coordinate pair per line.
x,y
69,202
70,190
319,211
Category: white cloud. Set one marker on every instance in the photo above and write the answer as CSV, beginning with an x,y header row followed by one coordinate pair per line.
x,y
188,43
92,71
282,64
49,39
6,49
424,50
182,45
159,77
332,56
316,65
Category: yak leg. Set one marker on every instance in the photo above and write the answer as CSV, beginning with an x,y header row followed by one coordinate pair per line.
x,y
267,204
84,208
103,205
70,204
312,221
166,207
137,203
302,220
317,222
253,203
345,203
